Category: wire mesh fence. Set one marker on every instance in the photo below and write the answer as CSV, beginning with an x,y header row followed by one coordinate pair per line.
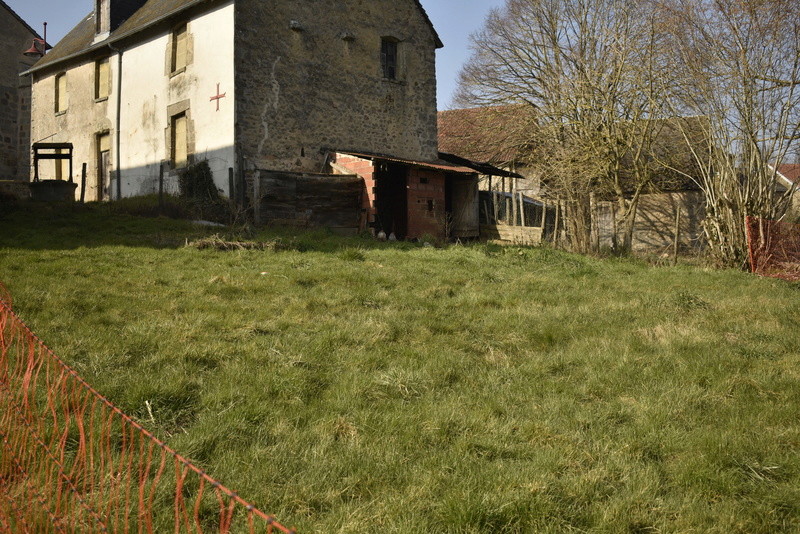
x,y
774,248
71,461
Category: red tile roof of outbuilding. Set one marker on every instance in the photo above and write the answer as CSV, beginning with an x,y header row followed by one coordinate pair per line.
x,y
791,171
486,134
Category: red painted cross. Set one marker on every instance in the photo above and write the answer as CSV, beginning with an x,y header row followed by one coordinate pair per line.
x,y
218,97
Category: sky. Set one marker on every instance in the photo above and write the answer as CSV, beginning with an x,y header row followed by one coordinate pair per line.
x,y
454,20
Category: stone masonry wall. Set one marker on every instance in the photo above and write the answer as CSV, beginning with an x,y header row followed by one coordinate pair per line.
x,y
309,80
15,38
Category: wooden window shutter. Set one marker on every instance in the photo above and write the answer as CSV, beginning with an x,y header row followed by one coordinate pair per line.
x,y
104,143
102,79
179,48
61,93
179,140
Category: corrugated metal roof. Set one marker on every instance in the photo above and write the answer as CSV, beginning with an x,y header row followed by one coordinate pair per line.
x,y
439,164
483,168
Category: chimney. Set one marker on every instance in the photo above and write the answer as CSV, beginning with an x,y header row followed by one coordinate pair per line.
x,y
110,14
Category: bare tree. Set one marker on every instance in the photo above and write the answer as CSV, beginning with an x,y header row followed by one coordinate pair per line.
x,y
738,63
582,72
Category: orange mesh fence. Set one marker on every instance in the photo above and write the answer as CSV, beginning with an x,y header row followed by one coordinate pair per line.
x,y
774,248
71,461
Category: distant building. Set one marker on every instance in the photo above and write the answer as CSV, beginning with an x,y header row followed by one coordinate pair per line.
x,y
789,179
15,95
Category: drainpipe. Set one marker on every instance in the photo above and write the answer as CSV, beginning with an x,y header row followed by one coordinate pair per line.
x,y
118,133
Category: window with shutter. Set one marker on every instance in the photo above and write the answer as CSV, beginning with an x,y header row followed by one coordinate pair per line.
x,y
179,48
102,80
179,140
61,93
389,58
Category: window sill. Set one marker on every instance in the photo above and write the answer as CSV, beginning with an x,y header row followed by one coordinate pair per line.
x,y
175,169
176,72
394,81
102,99
59,113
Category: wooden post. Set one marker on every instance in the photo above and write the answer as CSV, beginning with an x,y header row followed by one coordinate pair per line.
x,y
521,210
614,235
544,216
161,188
593,230
513,201
231,190
83,183
558,221
677,236
242,188
505,202
257,199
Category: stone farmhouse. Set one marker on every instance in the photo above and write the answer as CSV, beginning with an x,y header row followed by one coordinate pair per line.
x,y
15,93
255,88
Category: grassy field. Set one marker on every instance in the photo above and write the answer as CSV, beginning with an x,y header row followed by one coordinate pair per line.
x,y
353,386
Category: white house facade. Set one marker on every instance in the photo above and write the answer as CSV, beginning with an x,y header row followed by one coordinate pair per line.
x,y
130,106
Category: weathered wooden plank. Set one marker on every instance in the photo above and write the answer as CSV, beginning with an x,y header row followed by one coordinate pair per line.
x,y
332,201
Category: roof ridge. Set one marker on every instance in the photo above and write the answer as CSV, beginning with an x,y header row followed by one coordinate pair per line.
x,y
16,16
439,43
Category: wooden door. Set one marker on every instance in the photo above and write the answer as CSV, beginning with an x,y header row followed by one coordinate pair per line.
x,y
103,167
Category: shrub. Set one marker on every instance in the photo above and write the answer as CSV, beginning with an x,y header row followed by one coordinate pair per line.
x,y
197,182
196,186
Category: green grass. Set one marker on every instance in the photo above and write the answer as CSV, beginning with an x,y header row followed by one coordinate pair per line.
x,y
355,386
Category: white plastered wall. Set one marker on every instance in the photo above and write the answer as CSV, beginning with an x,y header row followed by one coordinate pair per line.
x,y
150,94
148,91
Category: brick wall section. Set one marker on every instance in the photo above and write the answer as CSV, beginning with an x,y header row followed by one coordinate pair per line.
x,y
366,170
426,203
15,38
426,196
309,80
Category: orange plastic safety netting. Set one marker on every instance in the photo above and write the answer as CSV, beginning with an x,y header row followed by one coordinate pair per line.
x,y
71,461
774,248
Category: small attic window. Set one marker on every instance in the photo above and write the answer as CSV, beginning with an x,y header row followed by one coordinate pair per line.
x,y
389,57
